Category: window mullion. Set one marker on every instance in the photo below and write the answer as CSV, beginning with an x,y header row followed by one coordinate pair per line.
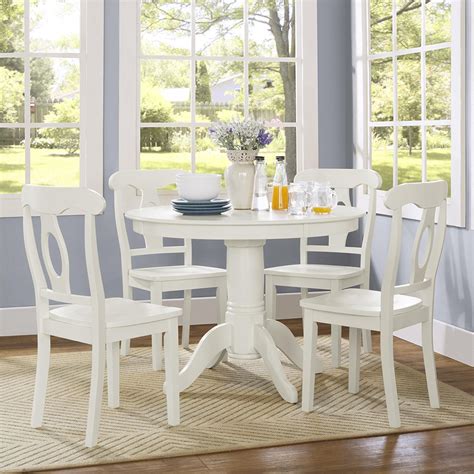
x,y
193,85
83,96
246,59
423,93
395,92
26,72
138,85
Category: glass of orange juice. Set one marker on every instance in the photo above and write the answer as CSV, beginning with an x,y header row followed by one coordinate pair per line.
x,y
324,198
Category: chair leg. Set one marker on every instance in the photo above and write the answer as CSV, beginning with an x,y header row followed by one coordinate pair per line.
x,y
270,298
354,360
172,373
186,319
113,374
429,360
310,331
125,347
125,344
367,340
389,381
221,296
41,383
157,351
95,397
336,334
156,297
366,333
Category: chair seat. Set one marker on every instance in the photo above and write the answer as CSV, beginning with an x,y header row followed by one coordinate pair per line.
x,y
178,272
119,312
359,302
329,272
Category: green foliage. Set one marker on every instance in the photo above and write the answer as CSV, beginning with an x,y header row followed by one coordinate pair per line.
x,y
229,115
11,25
180,141
165,73
42,78
410,138
11,94
155,109
203,88
438,68
65,138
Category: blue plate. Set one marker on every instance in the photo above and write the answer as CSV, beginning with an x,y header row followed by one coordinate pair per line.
x,y
201,213
200,208
212,202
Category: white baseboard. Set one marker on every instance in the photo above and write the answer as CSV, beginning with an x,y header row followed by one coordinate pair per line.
x,y
450,341
21,321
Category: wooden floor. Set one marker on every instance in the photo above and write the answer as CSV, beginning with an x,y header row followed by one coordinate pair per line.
x,y
445,451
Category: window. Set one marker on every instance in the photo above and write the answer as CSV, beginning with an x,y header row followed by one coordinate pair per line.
x,y
188,63
408,57
50,96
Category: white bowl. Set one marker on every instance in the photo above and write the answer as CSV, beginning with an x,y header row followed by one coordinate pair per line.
x,y
198,186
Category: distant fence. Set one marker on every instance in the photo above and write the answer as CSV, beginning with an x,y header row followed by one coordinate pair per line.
x,y
211,110
38,111
15,136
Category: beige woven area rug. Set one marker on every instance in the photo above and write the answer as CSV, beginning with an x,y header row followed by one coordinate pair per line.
x,y
232,407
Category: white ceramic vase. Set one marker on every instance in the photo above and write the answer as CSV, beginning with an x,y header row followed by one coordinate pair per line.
x,y
239,177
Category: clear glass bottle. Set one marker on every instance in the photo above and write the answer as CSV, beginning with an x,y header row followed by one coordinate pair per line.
x,y
280,186
260,198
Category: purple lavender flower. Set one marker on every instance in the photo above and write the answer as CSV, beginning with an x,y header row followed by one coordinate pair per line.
x,y
264,138
245,134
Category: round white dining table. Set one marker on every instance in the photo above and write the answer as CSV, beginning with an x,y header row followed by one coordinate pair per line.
x,y
246,333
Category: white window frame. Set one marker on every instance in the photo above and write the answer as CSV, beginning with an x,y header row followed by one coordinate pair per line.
x,y
91,56
471,114
361,104
306,84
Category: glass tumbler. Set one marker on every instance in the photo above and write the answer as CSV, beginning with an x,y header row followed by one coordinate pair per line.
x,y
298,197
324,198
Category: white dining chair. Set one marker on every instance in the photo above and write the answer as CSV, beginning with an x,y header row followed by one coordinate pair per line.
x,y
93,319
330,277
395,306
139,188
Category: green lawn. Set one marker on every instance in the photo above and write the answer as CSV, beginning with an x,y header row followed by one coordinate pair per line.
x,y
206,161
53,167
409,166
48,167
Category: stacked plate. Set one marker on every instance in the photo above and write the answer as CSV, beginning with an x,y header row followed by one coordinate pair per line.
x,y
210,207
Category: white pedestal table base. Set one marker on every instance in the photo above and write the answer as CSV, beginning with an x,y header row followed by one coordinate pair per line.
x,y
247,334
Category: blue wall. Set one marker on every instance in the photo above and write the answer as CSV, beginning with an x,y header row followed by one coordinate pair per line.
x,y
454,296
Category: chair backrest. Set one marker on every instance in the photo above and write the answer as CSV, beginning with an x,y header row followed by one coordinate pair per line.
x,y
344,181
49,203
432,198
134,189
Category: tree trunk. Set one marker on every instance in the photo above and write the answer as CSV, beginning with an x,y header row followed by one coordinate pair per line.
x,y
285,47
289,87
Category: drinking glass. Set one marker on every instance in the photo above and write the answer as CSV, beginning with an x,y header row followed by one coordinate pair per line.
x,y
298,196
324,198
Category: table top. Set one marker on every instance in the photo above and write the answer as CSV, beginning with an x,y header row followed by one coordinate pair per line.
x,y
166,215
163,221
